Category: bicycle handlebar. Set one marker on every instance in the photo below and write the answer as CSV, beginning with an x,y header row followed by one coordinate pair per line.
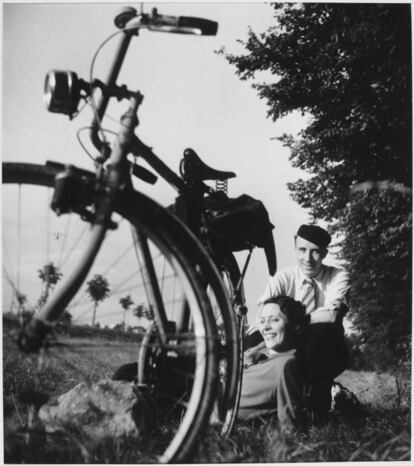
x,y
129,19
130,22
63,88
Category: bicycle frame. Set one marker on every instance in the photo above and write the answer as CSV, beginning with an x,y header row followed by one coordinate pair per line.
x,y
116,178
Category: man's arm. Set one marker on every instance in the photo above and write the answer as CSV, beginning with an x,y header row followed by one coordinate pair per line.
x,y
337,290
336,300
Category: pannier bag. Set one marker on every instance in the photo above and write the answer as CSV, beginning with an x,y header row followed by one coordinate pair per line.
x,y
240,223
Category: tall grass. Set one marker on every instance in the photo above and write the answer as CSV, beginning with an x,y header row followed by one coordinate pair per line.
x,y
382,434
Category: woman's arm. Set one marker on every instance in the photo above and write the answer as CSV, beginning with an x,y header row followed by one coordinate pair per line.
x,y
252,354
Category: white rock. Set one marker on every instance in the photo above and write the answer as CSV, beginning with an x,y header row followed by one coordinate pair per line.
x,y
100,410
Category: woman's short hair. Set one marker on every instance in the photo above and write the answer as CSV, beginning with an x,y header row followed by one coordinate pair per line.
x,y
294,310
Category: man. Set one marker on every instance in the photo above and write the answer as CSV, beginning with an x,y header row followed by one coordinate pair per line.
x,y
323,291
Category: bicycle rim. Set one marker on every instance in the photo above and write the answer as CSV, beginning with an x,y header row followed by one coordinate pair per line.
x,y
231,329
107,332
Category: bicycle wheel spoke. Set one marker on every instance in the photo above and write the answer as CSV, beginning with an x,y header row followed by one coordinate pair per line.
x,y
78,241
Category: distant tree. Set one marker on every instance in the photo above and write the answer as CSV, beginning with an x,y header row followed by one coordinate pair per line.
x,y
144,311
98,290
119,327
66,318
150,313
49,274
138,311
126,302
25,315
21,301
348,67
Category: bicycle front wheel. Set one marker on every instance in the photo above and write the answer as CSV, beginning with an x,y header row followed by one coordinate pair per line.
x,y
110,320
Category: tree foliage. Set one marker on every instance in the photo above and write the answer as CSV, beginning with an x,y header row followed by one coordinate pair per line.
x,y
348,67
378,248
49,275
144,311
126,302
21,302
66,318
98,290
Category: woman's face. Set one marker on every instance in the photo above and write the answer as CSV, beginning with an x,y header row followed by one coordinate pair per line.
x,y
273,327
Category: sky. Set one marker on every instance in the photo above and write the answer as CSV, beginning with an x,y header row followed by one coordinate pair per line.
x,y
192,98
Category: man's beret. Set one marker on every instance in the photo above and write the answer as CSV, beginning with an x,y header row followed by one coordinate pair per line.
x,y
315,235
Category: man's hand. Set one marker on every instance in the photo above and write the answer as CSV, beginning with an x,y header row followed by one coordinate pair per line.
x,y
332,313
252,354
323,315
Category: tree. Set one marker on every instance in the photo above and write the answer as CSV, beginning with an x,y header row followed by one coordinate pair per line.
x,y
126,302
378,249
21,301
66,318
49,274
144,311
23,313
348,67
98,290
120,327
138,311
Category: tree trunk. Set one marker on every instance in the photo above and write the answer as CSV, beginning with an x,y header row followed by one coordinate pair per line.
x,y
94,314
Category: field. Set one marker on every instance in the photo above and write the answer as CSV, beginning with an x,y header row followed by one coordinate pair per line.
x,y
381,434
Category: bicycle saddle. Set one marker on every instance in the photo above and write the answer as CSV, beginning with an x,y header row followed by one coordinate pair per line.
x,y
194,169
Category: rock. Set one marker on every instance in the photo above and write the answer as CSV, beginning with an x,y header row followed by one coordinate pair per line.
x,y
345,402
100,410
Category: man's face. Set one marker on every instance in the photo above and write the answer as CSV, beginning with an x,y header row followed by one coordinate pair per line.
x,y
309,257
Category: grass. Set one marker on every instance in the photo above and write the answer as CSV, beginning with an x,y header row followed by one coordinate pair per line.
x,y
382,434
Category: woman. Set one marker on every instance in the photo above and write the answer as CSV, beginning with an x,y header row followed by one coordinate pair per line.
x,y
272,378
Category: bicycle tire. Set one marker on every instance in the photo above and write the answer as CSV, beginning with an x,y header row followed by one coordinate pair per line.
x,y
181,246
230,270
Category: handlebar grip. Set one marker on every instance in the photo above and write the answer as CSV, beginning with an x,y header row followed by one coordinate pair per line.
x,y
205,26
32,336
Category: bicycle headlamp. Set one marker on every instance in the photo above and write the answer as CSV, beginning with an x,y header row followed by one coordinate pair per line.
x,y
62,92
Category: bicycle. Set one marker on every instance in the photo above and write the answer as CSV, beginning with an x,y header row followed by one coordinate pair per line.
x,y
194,320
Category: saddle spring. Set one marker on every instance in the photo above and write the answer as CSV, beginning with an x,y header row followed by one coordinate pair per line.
x,y
222,185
